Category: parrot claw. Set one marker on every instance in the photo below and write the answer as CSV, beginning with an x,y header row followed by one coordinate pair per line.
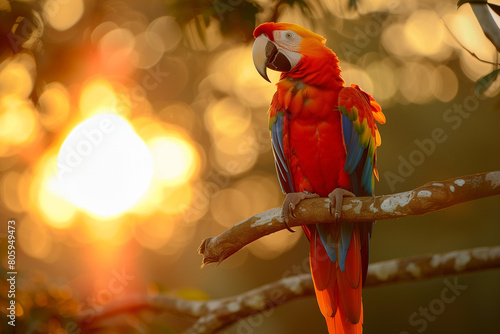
x,y
288,227
336,197
290,210
289,204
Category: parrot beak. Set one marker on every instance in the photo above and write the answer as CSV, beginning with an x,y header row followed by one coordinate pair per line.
x,y
267,55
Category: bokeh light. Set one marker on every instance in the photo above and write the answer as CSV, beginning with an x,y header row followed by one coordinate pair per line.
x,y
17,76
9,184
35,239
414,81
383,72
149,48
167,29
176,200
54,105
62,15
17,114
97,97
57,211
425,34
236,145
355,75
228,117
445,84
394,40
154,234
173,159
17,111
233,72
230,205
118,55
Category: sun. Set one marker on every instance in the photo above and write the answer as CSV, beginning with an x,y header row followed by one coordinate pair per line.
x,y
104,167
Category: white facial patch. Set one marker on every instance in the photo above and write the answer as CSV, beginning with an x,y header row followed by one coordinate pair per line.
x,y
288,42
287,39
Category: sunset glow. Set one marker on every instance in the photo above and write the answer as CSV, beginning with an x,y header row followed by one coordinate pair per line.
x,y
103,166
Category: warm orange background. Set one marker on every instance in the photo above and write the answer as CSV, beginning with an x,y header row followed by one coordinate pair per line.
x,y
200,107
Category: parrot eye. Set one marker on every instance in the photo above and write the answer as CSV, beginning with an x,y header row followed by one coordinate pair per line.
x,y
288,39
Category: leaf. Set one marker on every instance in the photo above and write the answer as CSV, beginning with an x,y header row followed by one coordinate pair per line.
x,y
485,82
461,2
495,8
191,294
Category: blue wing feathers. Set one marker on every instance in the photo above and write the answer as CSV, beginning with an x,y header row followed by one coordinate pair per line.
x,y
366,178
351,151
280,120
354,152
359,166
279,156
359,172
346,130
276,133
345,240
327,240
354,184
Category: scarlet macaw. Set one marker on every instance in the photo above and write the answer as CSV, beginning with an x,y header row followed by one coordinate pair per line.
x,y
324,140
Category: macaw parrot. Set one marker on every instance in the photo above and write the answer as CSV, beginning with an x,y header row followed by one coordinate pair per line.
x,y
324,139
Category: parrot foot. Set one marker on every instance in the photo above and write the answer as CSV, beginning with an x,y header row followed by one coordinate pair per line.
x,y
291,200
336,197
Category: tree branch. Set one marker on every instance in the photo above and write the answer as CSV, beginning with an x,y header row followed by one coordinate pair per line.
x,y
430,197
213,315
432,265
193,309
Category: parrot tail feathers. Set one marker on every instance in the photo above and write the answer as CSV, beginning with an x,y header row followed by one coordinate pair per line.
x,y
349,280
339,324
338,292
324,276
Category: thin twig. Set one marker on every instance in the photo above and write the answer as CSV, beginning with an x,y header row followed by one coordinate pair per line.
x,y
469,51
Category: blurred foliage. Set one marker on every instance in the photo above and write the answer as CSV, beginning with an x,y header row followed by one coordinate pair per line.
x,y
42,306
236,18
23,18
47,307
485,82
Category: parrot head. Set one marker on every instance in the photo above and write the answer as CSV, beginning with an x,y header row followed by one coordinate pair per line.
x,y
281,46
